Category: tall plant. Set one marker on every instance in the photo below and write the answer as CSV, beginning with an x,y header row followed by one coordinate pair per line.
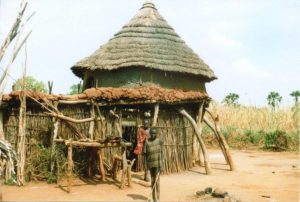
x,y
274,98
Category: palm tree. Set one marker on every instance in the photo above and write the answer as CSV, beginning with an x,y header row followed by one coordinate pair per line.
x,y
231,99
274,99
296,95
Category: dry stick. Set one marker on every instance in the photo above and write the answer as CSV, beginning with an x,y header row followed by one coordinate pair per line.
x,y
198,133
217,131
14,30
70,166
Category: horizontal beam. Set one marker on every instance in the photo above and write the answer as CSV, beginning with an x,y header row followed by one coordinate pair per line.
x,y
92,144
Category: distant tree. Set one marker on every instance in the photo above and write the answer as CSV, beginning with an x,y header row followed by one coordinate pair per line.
x,y
296,95
274,99
76,88
231,99
30,84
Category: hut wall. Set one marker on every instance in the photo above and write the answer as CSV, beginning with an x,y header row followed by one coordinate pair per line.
x,y
136,76
177,135
175,131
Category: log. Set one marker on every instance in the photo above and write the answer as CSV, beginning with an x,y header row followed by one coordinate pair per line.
x,y
70,166
217,131
198,135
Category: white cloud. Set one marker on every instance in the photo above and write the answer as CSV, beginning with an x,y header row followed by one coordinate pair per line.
x,y
223,41
244,67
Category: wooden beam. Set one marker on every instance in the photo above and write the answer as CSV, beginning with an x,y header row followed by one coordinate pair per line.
x,y
92,144
198,135
60,116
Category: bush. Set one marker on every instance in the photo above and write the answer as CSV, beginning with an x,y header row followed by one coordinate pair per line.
x,y
277,140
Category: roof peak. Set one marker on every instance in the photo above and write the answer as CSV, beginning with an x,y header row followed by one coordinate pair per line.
x,y
148,4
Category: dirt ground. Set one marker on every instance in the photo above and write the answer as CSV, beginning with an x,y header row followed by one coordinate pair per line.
x,y
259,174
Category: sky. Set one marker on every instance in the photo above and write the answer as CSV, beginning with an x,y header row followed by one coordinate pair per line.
x,y
251,45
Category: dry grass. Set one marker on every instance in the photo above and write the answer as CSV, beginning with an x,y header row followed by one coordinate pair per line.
x,y
249,126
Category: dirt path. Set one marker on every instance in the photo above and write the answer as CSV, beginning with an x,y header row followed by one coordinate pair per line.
x,y
259,173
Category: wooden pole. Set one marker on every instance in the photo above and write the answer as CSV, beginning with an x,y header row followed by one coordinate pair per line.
x,y
210,125
70,166
217,131
198,135
1,126
92,123
101,166
197,149
21,149
155,116
124,169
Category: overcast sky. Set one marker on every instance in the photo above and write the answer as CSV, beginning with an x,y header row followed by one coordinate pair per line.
x,y
253,46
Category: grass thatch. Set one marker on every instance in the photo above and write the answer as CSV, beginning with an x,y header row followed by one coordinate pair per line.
x,y
148,41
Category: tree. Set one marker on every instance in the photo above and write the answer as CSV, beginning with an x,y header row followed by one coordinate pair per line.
x,y
231,99
76,88
274,99
30,84
296,95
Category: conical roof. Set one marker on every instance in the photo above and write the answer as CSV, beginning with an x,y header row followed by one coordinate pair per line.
x,y
146,41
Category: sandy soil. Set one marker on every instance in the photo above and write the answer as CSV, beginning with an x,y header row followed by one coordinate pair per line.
x,y
259,174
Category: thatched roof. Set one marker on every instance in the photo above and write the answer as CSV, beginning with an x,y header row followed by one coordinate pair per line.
x,y
146,94
146,41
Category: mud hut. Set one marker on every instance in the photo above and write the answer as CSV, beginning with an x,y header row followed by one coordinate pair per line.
x,y
145,68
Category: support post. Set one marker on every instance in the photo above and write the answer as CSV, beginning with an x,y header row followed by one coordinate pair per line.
x,y
155,116
198,149
92,123
1,126
124,169
101,165
21,148
70,166
198,135
216,129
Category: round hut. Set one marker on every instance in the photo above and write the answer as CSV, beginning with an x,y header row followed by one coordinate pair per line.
x,y
146,68
145,50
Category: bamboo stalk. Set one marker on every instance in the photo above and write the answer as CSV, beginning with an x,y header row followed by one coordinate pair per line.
x,y
198,134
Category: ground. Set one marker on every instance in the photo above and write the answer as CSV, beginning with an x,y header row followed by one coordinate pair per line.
x,y
260,176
